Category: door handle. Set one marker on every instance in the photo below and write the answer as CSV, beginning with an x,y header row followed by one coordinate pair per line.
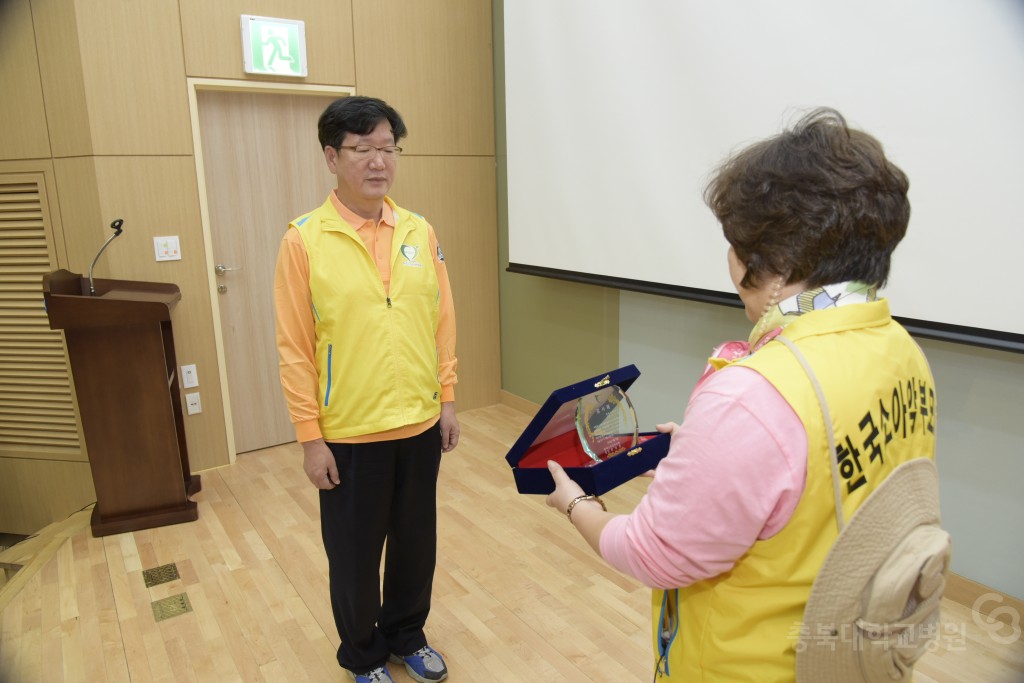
x,y
220,269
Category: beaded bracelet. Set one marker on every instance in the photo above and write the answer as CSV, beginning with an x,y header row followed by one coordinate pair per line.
x,y
578,499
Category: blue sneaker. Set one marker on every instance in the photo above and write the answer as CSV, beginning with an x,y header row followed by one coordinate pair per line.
x,y
425,665
378,675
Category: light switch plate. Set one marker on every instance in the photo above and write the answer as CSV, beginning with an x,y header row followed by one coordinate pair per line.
x,y
189,377
167,248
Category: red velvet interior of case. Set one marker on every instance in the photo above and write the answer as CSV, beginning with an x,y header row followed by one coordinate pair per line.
x,y
565,449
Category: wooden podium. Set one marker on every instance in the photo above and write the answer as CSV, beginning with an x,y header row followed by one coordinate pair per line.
x,y
121,349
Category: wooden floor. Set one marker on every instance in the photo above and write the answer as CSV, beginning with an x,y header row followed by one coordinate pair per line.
x,y
518,595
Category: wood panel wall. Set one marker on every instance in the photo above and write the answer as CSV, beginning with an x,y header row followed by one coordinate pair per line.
x,y
21,106
435,66
98,89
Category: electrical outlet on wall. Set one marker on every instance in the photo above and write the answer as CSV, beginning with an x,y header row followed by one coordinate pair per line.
x,y
192,404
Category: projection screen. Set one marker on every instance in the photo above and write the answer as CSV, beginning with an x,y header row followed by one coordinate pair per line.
x,y
616,112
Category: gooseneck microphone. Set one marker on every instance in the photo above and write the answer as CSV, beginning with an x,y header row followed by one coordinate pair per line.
x,y
116,225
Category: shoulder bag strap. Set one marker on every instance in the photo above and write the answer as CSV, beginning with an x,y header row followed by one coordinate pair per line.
x,y
828,427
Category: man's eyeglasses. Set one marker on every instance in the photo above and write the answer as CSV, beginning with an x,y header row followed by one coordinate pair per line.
x,y
362,152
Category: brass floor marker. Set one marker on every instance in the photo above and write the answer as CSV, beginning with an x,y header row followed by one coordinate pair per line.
x,y
161,574
171,607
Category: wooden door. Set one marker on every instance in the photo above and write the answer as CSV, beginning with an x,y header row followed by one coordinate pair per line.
x,y
263,167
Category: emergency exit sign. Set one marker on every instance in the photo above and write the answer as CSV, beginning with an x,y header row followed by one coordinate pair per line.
x,y
274,47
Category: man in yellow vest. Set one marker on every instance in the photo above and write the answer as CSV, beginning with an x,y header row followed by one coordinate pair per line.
x,y
735,527
366,338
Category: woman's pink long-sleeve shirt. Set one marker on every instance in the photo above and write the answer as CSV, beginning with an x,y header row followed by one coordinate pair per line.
x,y
734,473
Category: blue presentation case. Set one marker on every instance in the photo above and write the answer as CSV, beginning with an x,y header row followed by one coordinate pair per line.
x,y
552,435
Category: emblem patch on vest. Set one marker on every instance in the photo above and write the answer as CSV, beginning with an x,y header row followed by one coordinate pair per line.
x,y
409,253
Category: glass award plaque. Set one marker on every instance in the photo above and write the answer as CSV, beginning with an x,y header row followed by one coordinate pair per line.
x,y
606,423
590,429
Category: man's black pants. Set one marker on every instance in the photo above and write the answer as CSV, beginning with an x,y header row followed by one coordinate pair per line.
x,y
388,491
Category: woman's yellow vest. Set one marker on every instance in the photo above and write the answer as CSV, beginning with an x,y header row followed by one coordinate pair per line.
x,y
376,352
744,625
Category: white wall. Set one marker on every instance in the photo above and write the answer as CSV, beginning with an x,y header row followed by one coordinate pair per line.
x,y
980,446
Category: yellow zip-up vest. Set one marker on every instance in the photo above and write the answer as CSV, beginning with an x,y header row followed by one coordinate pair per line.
x,y
744,625
376,351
